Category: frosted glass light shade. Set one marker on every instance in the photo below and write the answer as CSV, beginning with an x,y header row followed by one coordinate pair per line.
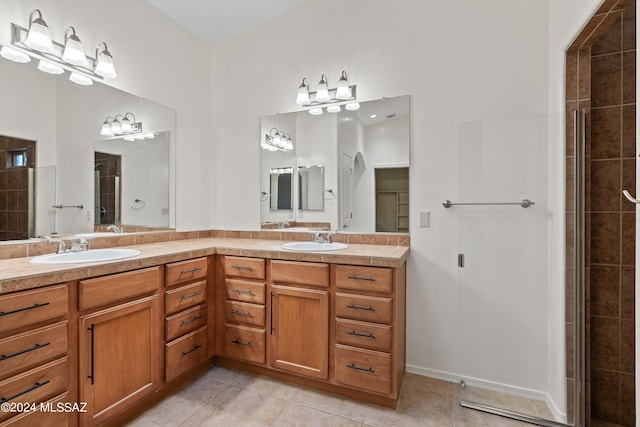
x,y
73,52
303,94
50,67
116,128
104,64
315,111
38,37
126,125
80,79
343,91
106,129
322,94
129,138
352,106
14,55
333,108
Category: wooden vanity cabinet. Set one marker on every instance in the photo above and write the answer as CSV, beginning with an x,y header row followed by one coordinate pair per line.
x,y
242,307
299,334
186,310
34,361
120,342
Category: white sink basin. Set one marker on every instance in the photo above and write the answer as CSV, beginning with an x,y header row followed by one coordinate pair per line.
x,y
312,246
97,234
95,255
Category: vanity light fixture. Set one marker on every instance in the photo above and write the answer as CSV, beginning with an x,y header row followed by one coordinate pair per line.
x,y
73,52
55,58
126,123
122,126
116,127
38,36
277,140
106,127
344,94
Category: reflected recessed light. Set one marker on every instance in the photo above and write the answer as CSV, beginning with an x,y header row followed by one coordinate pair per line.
x,y
373,116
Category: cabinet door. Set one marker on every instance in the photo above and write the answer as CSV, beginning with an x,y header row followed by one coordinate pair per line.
x,y
119,356
300,330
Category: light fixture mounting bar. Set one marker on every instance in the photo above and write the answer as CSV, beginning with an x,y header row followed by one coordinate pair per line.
x,y
332,95
18,37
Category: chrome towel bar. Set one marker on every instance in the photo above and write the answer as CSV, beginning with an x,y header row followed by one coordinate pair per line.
x,y
525,203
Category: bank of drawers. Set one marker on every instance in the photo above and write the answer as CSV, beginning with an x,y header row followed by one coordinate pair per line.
x,y
244,308
185,316
34,346
364,327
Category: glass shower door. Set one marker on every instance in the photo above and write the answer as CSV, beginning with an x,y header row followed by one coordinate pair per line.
x,y
511,340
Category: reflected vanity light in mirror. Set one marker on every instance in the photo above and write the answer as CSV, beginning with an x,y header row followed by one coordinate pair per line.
x,y
49,67
277,140
315,111
80,79
14,55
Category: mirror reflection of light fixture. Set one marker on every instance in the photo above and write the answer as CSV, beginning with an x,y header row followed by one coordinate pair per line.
x,y
49,67
315,111
277,140
55,58
352,106
38,37
73,52
334,109
121,126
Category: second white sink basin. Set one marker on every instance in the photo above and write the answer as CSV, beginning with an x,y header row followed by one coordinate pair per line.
x,y
97,234
95,255
313,246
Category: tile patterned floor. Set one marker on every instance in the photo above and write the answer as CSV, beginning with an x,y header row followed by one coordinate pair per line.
x,y
232,398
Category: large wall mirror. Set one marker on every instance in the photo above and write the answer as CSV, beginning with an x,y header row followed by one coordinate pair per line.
x,y
63,121
350,168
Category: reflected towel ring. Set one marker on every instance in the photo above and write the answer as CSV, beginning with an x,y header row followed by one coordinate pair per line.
x,y
331,193
264,196
139,202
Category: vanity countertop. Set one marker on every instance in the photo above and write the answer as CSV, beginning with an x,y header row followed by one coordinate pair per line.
x,y
19,274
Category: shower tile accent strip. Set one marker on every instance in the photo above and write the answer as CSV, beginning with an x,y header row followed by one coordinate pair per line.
x,y
600,67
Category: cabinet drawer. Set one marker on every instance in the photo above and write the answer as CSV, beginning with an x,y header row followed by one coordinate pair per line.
x,y
251,268
185,297
47,418
365,369
185,322
242,312
244,343
186,271
241,290
301,273
118,287
363,334
30,307
368,279
21,352
185,353
36,385
361,307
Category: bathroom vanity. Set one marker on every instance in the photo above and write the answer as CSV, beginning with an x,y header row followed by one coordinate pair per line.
x,y
114,337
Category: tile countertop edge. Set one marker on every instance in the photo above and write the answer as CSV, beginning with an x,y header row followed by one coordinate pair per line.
x,y
19,274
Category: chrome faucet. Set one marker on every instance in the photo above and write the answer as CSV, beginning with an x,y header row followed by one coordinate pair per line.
x,y
283,224
319,238
116,229
78,244
62,248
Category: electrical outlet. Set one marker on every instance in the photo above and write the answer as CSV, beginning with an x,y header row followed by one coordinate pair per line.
x,y
89,215
425,219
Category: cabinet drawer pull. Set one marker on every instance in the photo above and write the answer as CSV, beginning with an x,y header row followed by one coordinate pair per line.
x,y
35,347
195,347
191,270
33,387
186,322
193,295
31,307
241,313
240,291
242,267
362,335
357,307
358,368
248,343
368,279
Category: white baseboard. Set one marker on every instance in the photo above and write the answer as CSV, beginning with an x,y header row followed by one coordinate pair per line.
x,y
491,385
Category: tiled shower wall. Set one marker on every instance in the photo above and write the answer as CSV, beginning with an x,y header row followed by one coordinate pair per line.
x,y
601,81
108,165
14,191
